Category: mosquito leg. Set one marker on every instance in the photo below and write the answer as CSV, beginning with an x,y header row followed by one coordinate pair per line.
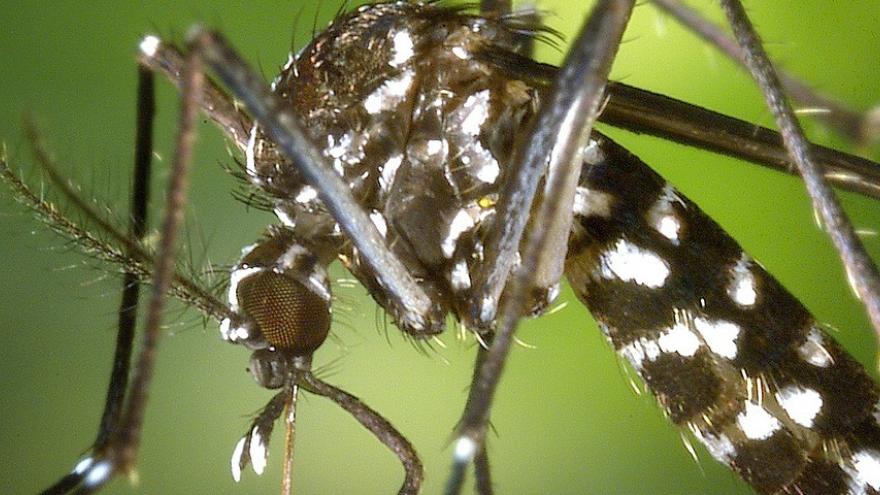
x,y
860,269
561,130
373,421
127,439
482,470
214,102
642,111
413,309
130,283
852,124
130,286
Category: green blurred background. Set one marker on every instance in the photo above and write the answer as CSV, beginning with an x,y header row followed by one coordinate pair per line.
x,y
566,419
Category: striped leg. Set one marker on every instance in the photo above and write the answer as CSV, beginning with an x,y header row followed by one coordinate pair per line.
x,y
727,351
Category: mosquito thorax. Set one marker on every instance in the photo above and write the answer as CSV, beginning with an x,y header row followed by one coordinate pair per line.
x,y
408,107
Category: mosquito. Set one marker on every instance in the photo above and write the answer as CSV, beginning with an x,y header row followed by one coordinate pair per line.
x,y
437,378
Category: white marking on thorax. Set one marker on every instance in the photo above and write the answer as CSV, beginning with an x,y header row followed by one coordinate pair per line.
x,y
460,276
306,193
461,223
389,170
291,255
801,404
461,52
743,288
379,221
249,156
719,335
338,148
474,112
284,217
591,202
756,423
434,146
402,48
489,170
813,350
390,94
630,263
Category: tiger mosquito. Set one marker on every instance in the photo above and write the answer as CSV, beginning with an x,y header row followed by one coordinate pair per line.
x,y
224,447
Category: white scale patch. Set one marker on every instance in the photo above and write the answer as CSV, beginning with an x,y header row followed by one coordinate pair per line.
x,y
465,448
284,217
801,404
235,462
150,45
402,48
474,112
743,287
379,221
461,223
678,339
390,94
720,447
258,451
306,194
630,263
813,350
249,154
490,170
98,474
434,146
460,276
389,171
83,465
864,469
756,423
227,332
662,216
590,202
719,335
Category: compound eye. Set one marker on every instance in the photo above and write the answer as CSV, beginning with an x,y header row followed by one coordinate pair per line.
x,y
293,318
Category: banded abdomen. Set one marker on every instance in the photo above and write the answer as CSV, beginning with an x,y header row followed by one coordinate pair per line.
x,y
728,352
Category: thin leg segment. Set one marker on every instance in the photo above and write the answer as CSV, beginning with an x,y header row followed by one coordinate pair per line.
x,y
570,113
128,307
860,269
858,127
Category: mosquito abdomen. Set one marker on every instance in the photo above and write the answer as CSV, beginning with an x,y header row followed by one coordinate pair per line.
x,y
728,352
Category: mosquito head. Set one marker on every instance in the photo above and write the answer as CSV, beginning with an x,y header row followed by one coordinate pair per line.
x,y
283,291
